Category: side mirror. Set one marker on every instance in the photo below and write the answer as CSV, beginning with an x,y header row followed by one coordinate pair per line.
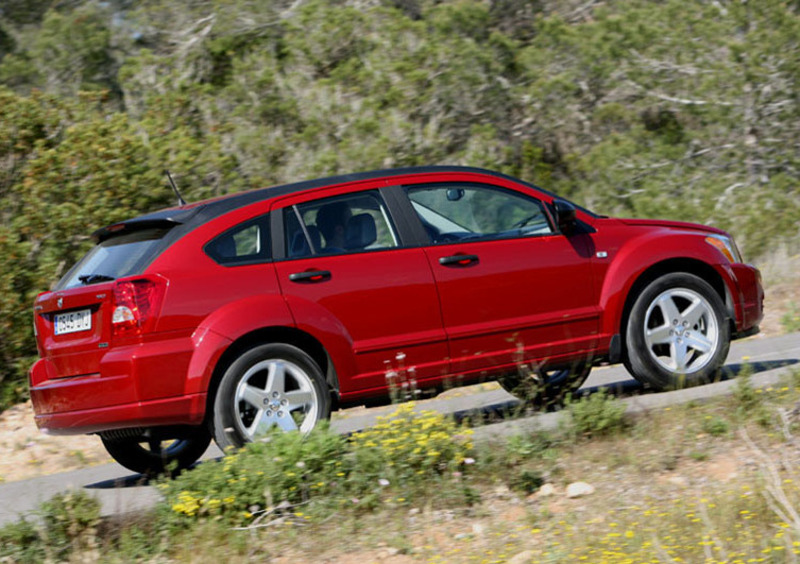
x,y
565,216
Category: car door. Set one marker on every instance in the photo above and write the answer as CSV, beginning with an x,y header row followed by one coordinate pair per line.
x,y
512,287
350,281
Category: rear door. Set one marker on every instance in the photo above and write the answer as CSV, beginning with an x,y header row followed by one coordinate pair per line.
x,y
512,287
347,275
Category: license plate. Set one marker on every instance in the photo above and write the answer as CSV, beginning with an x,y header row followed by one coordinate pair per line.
x,y
73,321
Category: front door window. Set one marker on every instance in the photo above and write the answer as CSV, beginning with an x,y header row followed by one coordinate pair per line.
x,y
459,212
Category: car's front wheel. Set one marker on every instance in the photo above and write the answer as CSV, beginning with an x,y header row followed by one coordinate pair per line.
x,y
678,332
274,385
158,451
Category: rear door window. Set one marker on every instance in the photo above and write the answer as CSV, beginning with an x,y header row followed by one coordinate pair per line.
x,y
342,224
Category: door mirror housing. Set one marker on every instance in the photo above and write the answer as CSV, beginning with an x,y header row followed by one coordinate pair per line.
x,y
565,216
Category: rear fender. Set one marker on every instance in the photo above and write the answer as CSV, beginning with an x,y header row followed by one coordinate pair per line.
x,y
236,320
310,317
224,326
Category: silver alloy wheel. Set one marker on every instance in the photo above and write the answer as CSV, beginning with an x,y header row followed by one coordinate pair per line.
x,y
275,392
681,330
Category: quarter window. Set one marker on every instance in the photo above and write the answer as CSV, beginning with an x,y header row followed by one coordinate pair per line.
x,y
453,212
246,243
343,224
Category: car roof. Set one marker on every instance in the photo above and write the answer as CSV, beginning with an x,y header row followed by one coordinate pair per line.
x,y
225,203
194,214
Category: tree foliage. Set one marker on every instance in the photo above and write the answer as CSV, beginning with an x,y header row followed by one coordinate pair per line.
x,y
676,109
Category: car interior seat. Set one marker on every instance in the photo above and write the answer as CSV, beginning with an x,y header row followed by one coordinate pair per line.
x,y
299,244
360,231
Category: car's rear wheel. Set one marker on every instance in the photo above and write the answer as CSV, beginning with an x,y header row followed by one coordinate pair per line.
x,y
275,385
678,332
158,451
541,389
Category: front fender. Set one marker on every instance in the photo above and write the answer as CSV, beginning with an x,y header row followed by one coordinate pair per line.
x,y
640,254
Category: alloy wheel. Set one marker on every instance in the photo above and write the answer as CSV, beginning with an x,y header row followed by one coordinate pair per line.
x,y
681,331
275,392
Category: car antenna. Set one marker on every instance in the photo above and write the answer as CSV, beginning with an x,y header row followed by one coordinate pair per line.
x,y
181,201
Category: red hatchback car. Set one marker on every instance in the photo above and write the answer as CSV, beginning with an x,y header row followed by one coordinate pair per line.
x,y
226,317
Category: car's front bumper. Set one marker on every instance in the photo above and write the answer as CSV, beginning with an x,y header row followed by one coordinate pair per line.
x,y
748,298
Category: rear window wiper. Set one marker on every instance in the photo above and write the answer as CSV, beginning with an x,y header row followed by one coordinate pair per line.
x,y
94,278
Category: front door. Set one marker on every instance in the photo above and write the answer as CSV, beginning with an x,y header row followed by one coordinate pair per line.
x,y
512,288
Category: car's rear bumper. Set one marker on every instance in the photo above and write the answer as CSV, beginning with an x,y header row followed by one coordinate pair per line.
x,y
182,410
136,386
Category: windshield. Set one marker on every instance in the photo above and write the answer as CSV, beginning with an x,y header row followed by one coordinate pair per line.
x,y
113,258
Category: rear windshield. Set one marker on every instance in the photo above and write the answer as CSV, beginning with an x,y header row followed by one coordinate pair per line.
x,y
113,258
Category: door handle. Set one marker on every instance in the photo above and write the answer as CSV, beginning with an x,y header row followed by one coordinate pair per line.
x,y
310,276
458,260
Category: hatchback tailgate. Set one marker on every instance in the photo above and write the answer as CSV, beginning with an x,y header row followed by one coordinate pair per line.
x,y
73,328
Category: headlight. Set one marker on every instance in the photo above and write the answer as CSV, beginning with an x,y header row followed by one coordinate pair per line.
x,y
726,246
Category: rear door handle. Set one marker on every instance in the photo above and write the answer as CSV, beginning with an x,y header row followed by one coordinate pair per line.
x,y
310,276
458,260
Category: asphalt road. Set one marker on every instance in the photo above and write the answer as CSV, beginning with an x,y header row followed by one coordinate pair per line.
x,y
120,491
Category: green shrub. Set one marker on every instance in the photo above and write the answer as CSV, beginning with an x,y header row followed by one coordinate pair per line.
x,y
68,525
406,456
520,448
749,401
285,468
70,521
744,394
595,415
20,542
715,425
791,319
410,448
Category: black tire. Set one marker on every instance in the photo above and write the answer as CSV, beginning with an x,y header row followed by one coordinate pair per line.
x,y
543,389
678,333
251,400
160,452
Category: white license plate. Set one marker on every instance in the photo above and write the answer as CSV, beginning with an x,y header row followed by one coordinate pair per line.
x,y
73,321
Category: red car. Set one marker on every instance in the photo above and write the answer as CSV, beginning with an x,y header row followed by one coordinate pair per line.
x,y
267,308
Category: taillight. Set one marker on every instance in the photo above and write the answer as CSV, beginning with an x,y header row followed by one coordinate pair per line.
x,y
136,305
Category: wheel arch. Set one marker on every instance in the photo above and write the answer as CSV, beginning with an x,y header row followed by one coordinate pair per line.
x,y
266,335
686,265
